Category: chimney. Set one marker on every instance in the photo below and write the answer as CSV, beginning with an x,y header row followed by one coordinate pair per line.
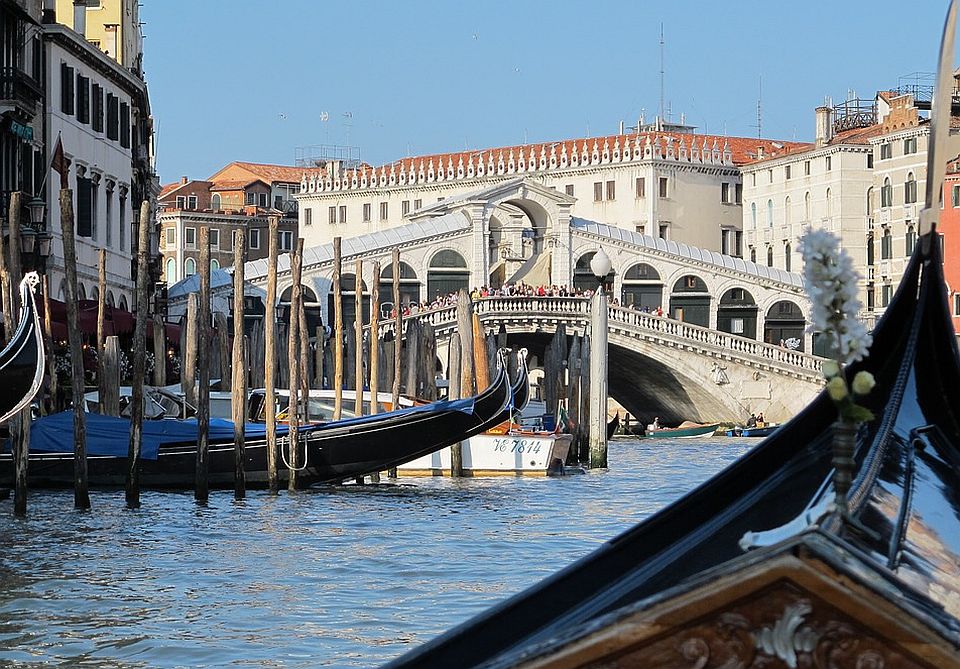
x,y
824,131
49,11
759,152
80,17
183,181
621,127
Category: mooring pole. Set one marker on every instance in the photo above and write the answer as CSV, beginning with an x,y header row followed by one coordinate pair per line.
x,y
374,341
101,323
337,333
139,359
358,335
598,380
202,492
293,348
238,368
48,346
397,340
269,366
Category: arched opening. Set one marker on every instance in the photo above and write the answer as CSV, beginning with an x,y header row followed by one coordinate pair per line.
x,y
81,292
753,214
171,271
690,301
769,213
870,201
787,256
123,303
585,279
910,241
806,207
95,294
769,256
642,288
111,302
829,203
189,267
447,273
215,202
785,323
348,299
214,264
409,286
787,217
737,313
910,189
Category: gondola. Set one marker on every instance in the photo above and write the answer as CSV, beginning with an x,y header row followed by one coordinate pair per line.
x,y
22,360
336,451
900,540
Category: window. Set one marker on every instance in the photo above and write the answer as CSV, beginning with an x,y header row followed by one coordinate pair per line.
x,y
736,326
786,173
870,160
417,204
870,251
254,239
641,229
384,211
725,241
84,207
870,201
886,193
787,250
829,199
886,152
886,246
910,240
886,294
769,176
806,168
829,162
171,271
189,267
171,238
725,193
215,202
956,304
753,214
83,99
190,238
96,101
909,145
753,179
663,187
214,264
366,212
568,189
611,190
641,187
597,191
753,255
67,101
262,199
286,240
192,202
955,197
307,216
910,189
108,219
787,218
769,213
769,256
663,230
806,206
332,215
214,239
405,207
123,221
738,193
181,202
343,213
125,125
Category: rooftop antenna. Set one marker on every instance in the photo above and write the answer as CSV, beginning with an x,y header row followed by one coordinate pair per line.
x,y
760,108
661,71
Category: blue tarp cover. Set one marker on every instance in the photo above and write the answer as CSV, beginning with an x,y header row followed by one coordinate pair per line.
x,y
107,435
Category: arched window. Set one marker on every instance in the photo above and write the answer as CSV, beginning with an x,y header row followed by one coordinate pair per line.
x,y
784,323
910,189
409,285
81,292
753,255
642,288
829,203
189,267
737,313
110,299
787,250
910,240
787,218
769,256
690,301
214,264
753,213
215,202
123,303
886,193
171,271
806,206
583,276
870,201
886,245
769,213
448,273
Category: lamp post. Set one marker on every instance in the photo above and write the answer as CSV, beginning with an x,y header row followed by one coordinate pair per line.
x,y
35,241
600,265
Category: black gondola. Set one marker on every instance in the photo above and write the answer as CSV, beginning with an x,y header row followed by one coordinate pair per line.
x,y
899,543
336,451
22,360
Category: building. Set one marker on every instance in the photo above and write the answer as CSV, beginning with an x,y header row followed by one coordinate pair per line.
x,y
241,196
950,230
664,182
21,101
113,26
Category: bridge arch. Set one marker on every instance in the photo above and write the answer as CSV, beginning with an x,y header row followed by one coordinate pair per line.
x,y
784,321
690,300
409,286
642,287
348,299
737,313
447,272
584,278
312,308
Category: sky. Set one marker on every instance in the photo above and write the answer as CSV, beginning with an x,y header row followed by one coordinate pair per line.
x,y
248,80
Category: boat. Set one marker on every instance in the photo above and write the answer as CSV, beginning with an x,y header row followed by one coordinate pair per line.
x,y
764,431
686,430
335,451
508,449
22,359
613,426
757,566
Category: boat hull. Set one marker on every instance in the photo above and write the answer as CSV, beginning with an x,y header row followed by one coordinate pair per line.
x,y
533,454
683,432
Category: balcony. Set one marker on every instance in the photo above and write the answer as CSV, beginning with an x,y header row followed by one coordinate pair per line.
x,y
19,89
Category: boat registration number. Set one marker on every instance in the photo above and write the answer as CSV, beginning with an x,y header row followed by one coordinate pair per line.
x,y
512,445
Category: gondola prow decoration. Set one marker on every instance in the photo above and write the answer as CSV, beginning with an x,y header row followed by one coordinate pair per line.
x,y
22,360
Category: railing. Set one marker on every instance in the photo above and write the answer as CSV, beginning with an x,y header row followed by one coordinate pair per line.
x,y
15,84
627,322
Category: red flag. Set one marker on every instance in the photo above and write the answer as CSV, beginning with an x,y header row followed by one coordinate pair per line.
x,y
60,163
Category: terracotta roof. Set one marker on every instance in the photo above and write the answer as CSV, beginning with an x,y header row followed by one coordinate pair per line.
x,y
235,184
264,172
168,188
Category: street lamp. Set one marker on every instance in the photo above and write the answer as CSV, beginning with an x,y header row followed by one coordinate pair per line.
x,y
35,241
600,265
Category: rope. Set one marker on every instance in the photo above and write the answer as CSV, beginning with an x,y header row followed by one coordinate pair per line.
x,y
305,452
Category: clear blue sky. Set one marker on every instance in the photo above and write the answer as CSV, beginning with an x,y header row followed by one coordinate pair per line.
x,y
245,80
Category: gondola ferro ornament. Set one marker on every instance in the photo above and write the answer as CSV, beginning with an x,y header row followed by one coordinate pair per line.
x,y
22,360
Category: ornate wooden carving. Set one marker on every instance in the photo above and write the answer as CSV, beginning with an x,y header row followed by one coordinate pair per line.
x,y
781,627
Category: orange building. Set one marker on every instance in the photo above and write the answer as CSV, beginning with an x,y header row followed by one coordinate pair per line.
x,y
950,229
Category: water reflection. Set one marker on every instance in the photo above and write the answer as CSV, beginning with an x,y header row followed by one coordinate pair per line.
x,y
348,576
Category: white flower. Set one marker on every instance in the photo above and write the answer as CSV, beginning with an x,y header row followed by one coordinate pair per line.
x,y
837,388
863,383
830,368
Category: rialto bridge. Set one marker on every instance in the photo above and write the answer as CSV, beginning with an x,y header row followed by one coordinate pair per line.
x,y
732,339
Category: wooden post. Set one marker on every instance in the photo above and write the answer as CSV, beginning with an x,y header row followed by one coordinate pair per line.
x,y
48,345
337,333
110,383
598,380
358,334
585,399
349,360
374,343
159,351
573,395
465,329
19,424
269,349
202,489
188,366
454,377
397,338
293,413
491,351
413,340
221,341
502,336
428,362
238,370
81,493
101,323
304,359
318,366
480,353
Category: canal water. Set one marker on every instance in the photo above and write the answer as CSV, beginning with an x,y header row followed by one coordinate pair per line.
x,y
337,576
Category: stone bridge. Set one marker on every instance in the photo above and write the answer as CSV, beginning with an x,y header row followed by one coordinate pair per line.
x,y
659,366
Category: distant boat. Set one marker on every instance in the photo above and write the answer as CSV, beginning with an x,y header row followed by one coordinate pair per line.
x,y
685,430
752,431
